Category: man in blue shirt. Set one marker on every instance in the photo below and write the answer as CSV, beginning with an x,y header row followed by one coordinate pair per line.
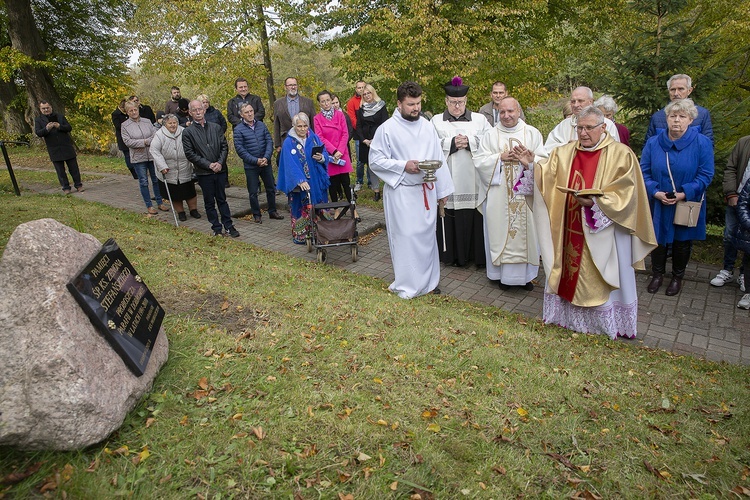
x,y
680,87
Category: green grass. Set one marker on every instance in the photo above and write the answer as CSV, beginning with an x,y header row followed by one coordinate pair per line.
x,y
290,378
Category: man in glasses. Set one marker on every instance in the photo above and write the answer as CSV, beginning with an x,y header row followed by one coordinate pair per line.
x,y
594,227
566,131
460,132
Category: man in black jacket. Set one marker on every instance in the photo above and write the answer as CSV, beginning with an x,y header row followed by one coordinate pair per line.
x,y
243,96
55,130
206,148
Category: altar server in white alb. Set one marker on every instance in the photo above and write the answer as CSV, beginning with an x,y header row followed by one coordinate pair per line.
x,y
510,236
460,131
565,131
410,205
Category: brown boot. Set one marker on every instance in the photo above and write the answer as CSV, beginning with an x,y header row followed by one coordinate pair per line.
x,y
674,286
655,283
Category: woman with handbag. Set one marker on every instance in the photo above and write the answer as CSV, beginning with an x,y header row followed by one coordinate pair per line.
x,y
677,165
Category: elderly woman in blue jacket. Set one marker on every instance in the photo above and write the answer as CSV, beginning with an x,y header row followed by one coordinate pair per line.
x,y
302,171
677,165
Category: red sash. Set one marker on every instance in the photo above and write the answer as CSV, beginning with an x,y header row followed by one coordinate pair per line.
x,y
582,174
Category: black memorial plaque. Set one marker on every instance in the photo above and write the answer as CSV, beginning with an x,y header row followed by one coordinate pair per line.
x,y
120,305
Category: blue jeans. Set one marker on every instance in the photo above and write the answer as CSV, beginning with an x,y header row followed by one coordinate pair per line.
x,y
254,175
213,186
730,229
144,170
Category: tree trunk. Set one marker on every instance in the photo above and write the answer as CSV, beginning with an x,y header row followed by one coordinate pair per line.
x,y
25,37
13,120
263,31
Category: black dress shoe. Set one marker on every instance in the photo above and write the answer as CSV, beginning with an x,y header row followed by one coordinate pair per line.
x,y
376,196
503,286
275,215
257,219
182,216
655,283
436,291
529,286
674,286
195,214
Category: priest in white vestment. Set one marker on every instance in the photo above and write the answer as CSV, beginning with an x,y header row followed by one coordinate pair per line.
x,y
594,225
461,234
565,131
410,205
510,237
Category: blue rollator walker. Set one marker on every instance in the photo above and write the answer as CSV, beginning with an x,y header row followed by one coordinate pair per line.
x,y
326,231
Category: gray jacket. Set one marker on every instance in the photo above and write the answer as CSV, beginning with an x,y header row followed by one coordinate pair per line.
x,y
137,136
168,153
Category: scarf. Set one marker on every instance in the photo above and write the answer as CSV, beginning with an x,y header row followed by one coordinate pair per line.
x,y
328,115
370,108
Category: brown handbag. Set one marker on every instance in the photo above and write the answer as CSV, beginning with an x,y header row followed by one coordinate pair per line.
x,y
686,213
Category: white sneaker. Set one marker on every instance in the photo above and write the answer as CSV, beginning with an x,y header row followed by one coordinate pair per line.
x,y
357,187
722,278
744,302
741,281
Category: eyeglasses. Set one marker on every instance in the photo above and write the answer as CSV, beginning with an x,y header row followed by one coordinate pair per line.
x,y
456,103
588,128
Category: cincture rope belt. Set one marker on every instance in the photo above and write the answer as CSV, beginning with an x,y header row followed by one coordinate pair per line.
x,y
424,192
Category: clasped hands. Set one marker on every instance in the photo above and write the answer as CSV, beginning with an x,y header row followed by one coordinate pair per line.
x,y
662,197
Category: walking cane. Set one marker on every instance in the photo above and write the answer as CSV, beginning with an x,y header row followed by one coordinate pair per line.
x,y
441,213
171,205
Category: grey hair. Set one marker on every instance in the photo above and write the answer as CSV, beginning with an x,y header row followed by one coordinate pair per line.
x,y
244,105
682,105
680,77
589,111
301,116
607,103
588,92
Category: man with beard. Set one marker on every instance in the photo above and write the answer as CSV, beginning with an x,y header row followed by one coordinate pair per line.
x,y
172,105
286,107
243,96
509,234
410,204
55,130
460,130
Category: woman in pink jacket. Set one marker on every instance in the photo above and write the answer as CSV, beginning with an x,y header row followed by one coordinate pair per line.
x,y
330,125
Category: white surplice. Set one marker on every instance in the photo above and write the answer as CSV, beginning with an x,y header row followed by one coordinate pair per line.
x,y
410,206
509,234
565,132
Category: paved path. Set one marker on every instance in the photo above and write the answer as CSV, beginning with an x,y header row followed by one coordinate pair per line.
x,y
702,320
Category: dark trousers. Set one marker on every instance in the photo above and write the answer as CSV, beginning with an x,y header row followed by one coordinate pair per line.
x,y
74,173
464,237
254,175
213,186
128,163
680,257
340,183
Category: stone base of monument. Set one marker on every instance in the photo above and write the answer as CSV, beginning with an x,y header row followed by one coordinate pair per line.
x,y
62,385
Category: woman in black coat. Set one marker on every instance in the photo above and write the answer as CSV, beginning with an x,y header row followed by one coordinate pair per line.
x,y
370,115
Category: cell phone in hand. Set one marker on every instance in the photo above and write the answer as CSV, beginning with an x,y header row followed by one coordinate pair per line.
x,y
317,150
670,195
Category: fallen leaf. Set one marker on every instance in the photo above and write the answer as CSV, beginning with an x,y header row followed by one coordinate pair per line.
x,y
428,414
17,477
143,455
562,459
433,428
165,479
363,457
700,478
184,420
741,490
499,469
652,470
348,496
522,412
394,486
259,432
203,383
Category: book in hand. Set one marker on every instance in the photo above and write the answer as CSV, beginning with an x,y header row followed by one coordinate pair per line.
x,y
581,192
317,150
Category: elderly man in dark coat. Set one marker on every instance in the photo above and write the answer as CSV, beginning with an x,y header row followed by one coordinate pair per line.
x,y
55,130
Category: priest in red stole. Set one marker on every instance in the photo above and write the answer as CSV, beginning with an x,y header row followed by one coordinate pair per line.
x,y
592,215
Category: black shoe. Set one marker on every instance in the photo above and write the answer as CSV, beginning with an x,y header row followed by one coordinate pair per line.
x,y
655,283
674,286
376,196
529,286
218,233
276,216
195,214
182,216
233,232
436,291
503,286
257,219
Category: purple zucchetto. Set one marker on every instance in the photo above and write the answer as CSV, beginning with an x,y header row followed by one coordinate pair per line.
x,y
456,87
